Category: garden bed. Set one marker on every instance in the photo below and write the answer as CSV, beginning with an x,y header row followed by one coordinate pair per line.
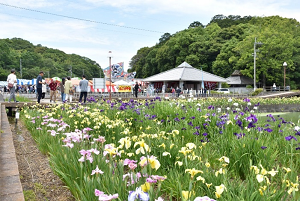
x,y
172,150
37,179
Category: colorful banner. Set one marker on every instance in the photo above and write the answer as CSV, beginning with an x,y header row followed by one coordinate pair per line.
x,y
117,70
129,76
123,88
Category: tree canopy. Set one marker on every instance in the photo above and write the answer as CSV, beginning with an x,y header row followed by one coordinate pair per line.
x,y
227,44
36,58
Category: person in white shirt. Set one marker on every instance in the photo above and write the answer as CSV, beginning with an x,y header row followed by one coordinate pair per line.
x,y
11,83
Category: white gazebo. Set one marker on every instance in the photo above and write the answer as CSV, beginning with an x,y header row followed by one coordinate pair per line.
x,y
186,77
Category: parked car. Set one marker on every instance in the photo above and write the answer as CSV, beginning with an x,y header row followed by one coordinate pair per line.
x,y
223,90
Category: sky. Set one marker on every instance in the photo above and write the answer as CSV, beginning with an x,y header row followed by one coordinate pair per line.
x,y
92,28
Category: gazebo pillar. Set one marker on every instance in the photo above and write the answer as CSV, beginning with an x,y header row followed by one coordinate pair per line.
x,y
219,85
181,84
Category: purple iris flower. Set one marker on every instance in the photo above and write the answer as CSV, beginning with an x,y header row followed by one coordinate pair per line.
x,y
204,134
268,130
190,124
252,118
176,119
239,123
183,128
211,107
239,135
246,100
251,125
196,133
193,117
263,147
197,127
298,148
257,104
290,137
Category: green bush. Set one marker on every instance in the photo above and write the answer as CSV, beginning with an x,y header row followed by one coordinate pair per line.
x,y
257,91
225,85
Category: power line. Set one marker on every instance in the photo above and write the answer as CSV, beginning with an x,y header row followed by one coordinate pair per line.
x,y
131,33
76,18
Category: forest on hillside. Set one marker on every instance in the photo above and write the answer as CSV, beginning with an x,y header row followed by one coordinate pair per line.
x,y
226,44
36,58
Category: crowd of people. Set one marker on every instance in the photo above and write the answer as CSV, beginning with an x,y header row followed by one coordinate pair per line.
x,y
64,88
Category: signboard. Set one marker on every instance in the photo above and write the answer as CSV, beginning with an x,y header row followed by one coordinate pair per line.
x,y
99,83
123,88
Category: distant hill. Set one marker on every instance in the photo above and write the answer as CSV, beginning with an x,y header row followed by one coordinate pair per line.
x,y
226,44
35,58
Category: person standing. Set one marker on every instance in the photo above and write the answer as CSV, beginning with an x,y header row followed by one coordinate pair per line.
x,y
11,83
62,89
53,87
136,89
83,84
69,89
39,85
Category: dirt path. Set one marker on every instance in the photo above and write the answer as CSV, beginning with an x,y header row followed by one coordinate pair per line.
x,y
38,181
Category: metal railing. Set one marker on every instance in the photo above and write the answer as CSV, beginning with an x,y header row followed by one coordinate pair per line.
x,y
274,89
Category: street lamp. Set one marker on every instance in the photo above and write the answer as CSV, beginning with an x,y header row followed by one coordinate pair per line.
x,y
109,56
255,43
284,66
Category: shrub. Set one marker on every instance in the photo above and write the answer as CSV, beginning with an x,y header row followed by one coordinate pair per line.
x,y
257,91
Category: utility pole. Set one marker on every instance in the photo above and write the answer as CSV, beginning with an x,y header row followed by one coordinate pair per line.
x,y
21,68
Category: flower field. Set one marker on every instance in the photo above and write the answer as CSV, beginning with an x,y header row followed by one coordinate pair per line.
x,y
183,149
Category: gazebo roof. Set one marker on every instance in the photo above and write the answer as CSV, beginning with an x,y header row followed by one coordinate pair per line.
x,y
185,72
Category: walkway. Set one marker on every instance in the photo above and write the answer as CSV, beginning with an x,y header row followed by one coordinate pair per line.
x,y
10,184
280,94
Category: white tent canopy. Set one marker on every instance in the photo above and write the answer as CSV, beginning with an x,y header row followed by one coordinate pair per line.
x,y
121,82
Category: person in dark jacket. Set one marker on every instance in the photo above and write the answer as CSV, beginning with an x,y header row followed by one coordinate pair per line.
x,y
136,89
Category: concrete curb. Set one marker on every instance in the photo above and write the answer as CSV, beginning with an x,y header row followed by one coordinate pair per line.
x,y
10,184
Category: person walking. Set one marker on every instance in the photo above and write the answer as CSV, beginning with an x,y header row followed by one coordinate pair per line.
x,y
11,83
83,84
53,87
136,89
62,89
69,89
39,85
